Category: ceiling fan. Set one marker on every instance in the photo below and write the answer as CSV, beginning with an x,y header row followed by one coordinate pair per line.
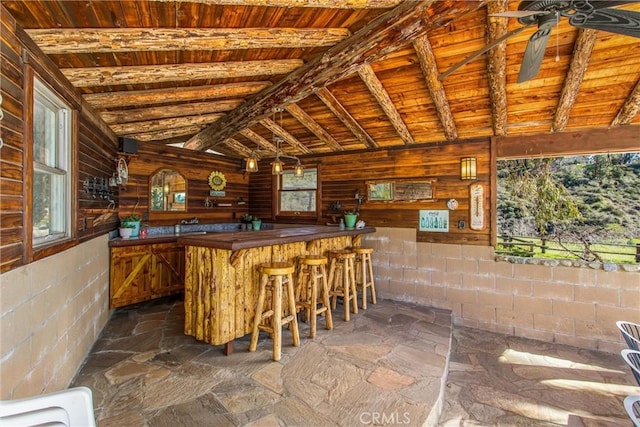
x,y
596,15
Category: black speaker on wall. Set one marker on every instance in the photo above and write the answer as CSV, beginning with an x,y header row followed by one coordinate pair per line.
x,y
127,145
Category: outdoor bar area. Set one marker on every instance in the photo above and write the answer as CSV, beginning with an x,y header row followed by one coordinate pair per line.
x,y
319,213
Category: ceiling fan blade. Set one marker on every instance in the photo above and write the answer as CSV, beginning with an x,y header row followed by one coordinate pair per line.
x,y
617,21
473,56
520,13
534,54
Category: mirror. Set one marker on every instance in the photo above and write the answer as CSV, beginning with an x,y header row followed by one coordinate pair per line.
x,y
168,191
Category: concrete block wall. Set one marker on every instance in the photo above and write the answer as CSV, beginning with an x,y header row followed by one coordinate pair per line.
x,y
564,304
51,313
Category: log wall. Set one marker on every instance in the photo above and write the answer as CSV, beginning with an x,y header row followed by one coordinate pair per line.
x,y
343,174
19,59
195,167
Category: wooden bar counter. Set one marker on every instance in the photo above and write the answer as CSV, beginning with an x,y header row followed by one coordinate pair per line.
x,y
221,278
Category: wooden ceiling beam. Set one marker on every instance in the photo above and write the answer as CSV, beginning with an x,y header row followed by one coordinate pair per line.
x,y
130,129
382,36
347,119
581,54
314,127
92,40
164,134
370,79
167,111
239,148
497,66
107,76
629,109
436,89
258,140
325,4
286,136
132,98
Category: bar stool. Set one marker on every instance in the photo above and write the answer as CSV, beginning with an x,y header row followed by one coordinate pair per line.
x,y
364,274
342,281
273,276
312,274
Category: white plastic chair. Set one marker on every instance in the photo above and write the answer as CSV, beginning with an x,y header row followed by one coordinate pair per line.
x,y
632,357
632,406
69,408
631,333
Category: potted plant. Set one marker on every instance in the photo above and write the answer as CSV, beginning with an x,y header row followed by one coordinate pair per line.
x,y
131,221
256,223
350,218
125,230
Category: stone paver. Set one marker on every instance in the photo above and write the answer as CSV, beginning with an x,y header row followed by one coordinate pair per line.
x,y
392,364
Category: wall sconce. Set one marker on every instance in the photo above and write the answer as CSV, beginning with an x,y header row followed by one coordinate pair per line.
x,y
251,163
468,168
298,170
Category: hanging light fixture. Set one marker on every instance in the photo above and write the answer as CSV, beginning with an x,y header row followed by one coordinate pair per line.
x,y
277,166
468,169
298,170
251,163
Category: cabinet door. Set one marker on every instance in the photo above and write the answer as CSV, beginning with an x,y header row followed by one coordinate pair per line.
x,y
144,272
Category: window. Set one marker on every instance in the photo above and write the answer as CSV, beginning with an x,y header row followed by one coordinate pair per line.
x,y
298,195
51,214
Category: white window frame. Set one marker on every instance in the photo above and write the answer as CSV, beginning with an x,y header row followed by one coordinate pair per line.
x,y
56,165
282,191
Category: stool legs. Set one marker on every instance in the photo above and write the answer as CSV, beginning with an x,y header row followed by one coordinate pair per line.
x,y
366,276
341,270
311,274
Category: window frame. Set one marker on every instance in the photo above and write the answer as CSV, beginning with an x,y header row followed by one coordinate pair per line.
x,y
38,88
278,191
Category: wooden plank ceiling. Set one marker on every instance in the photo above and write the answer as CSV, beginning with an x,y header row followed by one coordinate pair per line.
x,y
327,75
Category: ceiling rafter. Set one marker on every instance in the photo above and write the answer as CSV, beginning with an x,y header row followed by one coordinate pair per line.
x,y
106,76
376,40
372,82
314,127
579,62
629,109
261,142
165,134
327,4
345,117
436,88
286,136
167,111
176,94
239,148
497,66
93,40
127,129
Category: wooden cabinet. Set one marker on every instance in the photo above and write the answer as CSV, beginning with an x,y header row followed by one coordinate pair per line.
x,y
144,272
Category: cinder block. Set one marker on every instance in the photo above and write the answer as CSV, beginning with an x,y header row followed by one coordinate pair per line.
x,y
594,294
577,310
447,250
618,279
461,295
479,282
491,299
556,324
479,312
477,252
528,304
558,291
466,266
16,289
498,269
539,273
515,318
609,315
514,286
630,299
574,275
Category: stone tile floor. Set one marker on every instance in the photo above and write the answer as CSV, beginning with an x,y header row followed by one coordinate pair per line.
x,y
387,366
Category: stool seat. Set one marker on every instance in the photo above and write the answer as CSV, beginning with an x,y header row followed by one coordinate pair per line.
x,y
273,277
277,268
342,281
313,260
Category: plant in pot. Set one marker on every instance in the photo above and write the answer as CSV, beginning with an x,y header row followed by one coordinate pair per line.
x,y
256,223
350,218
131,221
125,230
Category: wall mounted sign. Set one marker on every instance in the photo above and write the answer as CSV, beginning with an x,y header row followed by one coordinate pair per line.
x,y
400,190
214,193
434,220
476,195
217,181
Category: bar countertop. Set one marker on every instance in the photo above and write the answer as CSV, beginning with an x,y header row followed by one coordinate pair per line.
x,y
252,239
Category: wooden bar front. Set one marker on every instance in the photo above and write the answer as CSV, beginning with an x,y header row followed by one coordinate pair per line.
x,y
221,277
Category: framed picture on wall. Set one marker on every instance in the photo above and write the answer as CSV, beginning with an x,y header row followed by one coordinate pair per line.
x,y
380,191
178,197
